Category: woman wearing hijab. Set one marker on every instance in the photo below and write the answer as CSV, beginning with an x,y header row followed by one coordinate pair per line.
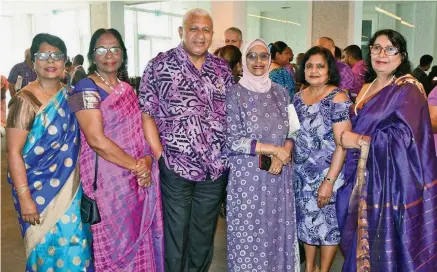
x,y
260,203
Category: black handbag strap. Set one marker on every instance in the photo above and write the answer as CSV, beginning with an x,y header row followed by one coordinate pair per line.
x,y
95,173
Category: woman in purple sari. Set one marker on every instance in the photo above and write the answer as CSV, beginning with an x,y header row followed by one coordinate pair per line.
x,y
390,224
129,237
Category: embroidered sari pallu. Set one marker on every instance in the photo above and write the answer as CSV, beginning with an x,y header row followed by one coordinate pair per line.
x,y
61,242
388,219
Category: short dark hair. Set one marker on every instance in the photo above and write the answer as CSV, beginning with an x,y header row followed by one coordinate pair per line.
x,y
78,59
68,63
277,47
333,75
354,51
237,30
47,38
400,43
337,52
99,32
426,60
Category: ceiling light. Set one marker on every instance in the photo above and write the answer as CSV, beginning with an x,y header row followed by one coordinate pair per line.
x,y
273,19
407,24
388,13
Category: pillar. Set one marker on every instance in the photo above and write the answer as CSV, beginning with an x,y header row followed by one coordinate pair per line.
x,y
107,15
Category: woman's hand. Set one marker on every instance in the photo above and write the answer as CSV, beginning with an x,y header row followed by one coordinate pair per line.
x,y
283,155
29,212
143,171
324,193
276,166
351,140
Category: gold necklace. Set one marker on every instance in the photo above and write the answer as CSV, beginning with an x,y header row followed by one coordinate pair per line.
x,y
45,92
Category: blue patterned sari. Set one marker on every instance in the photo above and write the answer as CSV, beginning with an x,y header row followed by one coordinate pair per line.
x,y
61,242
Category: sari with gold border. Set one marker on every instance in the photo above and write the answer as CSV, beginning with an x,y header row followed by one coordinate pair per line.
x,y
50,154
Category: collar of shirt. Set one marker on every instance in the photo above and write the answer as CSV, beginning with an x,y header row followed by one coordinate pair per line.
x,y
77,67
182,56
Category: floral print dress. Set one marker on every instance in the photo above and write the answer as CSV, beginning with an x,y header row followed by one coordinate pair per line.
x,y
312,153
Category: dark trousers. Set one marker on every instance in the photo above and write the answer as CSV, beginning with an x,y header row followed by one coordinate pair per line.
x,y
190,219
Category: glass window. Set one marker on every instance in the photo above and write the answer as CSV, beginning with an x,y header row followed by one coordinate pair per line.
x,y
151,24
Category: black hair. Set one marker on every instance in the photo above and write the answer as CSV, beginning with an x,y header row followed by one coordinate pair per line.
x,y
277,47
78,59
99,32
217,51
333,76
54,41
354,51
426,60
337,52
68,63
400,43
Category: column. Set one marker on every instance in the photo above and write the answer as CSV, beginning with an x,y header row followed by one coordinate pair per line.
x,y
107,15
225,15
341,21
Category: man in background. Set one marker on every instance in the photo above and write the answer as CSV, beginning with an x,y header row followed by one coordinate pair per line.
x,y
21,72
419,72
79,71
346,75
233,36
353,57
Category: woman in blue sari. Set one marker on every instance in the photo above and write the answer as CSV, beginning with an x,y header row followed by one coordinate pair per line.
x,y
388,216
43,146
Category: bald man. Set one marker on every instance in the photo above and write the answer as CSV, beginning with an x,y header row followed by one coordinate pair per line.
x,y
346,74
24,70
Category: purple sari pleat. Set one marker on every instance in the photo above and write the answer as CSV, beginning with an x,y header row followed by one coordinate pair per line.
x,y
130,236
399,226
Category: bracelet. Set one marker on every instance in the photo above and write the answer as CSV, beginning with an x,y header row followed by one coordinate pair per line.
x,y
341,140
330,180
359,143
21,189
261,148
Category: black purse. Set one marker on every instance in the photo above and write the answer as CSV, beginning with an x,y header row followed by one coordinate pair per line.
x,y
89,210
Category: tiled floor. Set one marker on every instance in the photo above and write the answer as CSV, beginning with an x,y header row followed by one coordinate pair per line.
x,y
12,252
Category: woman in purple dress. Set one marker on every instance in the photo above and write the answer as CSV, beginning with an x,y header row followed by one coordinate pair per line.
x,y
388,219
323,112
260,204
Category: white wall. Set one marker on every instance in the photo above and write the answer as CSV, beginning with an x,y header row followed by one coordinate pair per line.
x,y
421,39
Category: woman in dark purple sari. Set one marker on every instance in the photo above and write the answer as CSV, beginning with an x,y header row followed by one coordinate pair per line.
x,y
390,224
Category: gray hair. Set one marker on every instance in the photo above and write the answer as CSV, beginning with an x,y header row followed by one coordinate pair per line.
x,y
196,12
236,30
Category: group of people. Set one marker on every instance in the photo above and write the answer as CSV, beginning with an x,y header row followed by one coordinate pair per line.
x,y
159,165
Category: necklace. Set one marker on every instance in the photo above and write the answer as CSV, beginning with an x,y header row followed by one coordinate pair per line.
x,y
45,92
110,87
365,93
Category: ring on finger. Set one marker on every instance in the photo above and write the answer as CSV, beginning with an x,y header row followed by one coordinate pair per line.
x,y
144,175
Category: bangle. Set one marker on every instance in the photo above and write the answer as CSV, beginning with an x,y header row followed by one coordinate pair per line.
x,y
261,148
330,180
21,189
277,151
359,142
341,140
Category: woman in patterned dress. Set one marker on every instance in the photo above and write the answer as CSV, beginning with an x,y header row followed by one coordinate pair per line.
x,y
42,138
281,55
323,112
260,204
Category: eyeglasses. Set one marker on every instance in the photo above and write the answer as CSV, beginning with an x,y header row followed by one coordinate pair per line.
x,y
116,50
45,55
254,56
389,50
318,66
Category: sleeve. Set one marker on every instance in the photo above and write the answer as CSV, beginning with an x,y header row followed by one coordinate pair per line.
x,y
340,111
13,75
85,96
21,114
432,98
148,92
237,141
346,78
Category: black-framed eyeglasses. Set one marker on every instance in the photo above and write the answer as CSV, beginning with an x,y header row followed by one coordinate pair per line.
x,y
116,50
389,50
45,55
254,56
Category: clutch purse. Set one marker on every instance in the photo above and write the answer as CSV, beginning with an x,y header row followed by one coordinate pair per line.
x,y
265,162
89,211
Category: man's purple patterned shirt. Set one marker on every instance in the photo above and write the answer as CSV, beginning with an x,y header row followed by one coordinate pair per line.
x,y
188,106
